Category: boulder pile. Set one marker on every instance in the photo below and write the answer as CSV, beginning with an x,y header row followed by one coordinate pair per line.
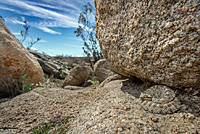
x,y
51,66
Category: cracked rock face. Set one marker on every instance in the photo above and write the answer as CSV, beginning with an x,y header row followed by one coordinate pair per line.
x,y
154,40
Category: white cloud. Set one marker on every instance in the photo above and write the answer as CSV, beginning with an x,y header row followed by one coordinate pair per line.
x,y
43,41
64,15
16,34
83,55
34,49
45,29
6,8
23,18
79,39
64,3
16,21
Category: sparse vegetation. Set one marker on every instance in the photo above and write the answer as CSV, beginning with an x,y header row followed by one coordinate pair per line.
x,y
41,85
96,82
56,121
62,75
86,31
22,86
62,56
2,114
24,33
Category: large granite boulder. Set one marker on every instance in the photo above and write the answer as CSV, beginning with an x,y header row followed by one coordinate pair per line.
x,y
77,76
15,60
154,40
102,70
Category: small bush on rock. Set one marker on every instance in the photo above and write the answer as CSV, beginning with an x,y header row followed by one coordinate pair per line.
x,y
22,86
96,82
41,85
46,127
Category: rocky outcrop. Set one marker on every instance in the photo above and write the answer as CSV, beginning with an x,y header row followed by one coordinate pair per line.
x,y
15,60
77,76
51,66
102,70
157,41
118,112
32,108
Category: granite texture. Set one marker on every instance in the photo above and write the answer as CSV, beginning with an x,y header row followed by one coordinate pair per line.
x,y
154,40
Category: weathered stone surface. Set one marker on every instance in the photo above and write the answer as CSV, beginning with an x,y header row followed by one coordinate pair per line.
x,y
153,40
77,76
112,78
15,60
113,109
32,108
51,66
102,70
118,112
73,87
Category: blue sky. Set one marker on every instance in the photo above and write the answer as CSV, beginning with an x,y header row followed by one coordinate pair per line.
x,y
54,21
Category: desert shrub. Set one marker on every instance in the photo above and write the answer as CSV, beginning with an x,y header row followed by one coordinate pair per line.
x,y
86,31
25,33
47,127
15,85
23,86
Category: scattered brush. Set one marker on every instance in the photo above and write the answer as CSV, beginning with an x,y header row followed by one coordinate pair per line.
x,y
22,86
61,123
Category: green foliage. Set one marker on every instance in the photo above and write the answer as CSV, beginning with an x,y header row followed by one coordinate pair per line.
x,y
2,114
63,75
41,85
96,82
87,33
22,86
45,127
46,76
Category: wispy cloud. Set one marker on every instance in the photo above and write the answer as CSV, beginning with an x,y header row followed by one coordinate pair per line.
x,y
43,41
45,29
16,34
79,39
33,48
64,14
6,8
15,21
